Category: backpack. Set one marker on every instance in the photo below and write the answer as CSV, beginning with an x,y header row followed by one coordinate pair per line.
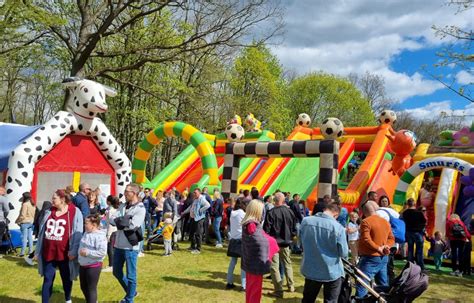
x,y
457,231
398,227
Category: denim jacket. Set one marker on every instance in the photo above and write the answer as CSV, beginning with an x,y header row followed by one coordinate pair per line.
x,y
324,244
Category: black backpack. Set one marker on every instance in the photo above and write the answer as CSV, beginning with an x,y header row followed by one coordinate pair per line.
x,y
457,231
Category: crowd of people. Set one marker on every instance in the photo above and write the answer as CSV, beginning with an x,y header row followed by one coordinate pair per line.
x,y
76,231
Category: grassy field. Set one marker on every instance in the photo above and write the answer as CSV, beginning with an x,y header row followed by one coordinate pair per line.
x,y
184,277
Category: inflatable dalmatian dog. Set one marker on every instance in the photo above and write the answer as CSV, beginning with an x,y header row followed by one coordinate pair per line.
x,y
86,100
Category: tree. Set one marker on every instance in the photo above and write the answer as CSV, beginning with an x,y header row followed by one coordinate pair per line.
x,y
322,95
372,87
458,53
258,87
89,26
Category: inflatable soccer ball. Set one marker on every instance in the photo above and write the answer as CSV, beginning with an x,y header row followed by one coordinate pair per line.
x,y
388,117
332,128
234,132
303,120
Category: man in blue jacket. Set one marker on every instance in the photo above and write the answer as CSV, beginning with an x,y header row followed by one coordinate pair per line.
x,y
197,212
324,245
80,199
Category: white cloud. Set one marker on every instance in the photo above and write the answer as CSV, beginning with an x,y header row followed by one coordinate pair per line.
x,y
464,78
435,110
343,37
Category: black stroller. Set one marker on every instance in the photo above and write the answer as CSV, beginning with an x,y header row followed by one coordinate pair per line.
x,y
408,286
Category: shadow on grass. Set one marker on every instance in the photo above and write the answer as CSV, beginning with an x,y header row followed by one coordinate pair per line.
x,y
207,284
18,260
14,300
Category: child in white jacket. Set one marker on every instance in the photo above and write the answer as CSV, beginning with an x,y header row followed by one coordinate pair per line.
x,y
92,251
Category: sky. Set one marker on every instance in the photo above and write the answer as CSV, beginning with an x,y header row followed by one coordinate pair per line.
x,y
390,38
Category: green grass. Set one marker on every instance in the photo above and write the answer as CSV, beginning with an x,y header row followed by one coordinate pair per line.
x,y
184,277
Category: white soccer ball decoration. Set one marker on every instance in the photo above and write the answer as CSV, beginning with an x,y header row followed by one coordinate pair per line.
x,y
388,117
332,128
234,132
303,120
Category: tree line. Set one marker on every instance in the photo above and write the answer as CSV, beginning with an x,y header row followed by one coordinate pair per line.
x,y
200,62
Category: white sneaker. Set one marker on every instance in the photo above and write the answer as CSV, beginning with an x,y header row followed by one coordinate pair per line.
x,y
459,274
29,261
219,245
195,252
69,301
140,254
107,269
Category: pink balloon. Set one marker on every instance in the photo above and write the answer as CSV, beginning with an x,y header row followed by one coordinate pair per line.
x,y
469,191
466,180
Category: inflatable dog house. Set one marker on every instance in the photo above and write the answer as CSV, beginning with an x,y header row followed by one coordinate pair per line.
x,y
72,142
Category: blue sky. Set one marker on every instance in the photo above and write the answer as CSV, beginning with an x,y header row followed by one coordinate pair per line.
x,y
393,39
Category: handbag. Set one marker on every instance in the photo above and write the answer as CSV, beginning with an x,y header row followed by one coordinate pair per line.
x,y
235,248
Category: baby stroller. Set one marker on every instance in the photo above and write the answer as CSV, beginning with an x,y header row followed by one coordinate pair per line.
x,y
157,235
406,287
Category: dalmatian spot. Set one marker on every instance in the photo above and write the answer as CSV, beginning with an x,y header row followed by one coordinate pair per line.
x,y
62,125
91,114
120,195
9,179
109,157
39,157
80,126
110,141
62,134
118,176
127,179
56,117
71,127
18,182
26,149
29,158
24,174
9,191
95,138
100,94
53,126
43,128
124,172
101,143
20,165
115,149
38,148
118,160
13,153
120,164
96,128
38,138
67,120
88,133
93,99
121,183
49,140
72,132
24,142
45,152
55,143
103,134
105,149
77,103
85,105
69,115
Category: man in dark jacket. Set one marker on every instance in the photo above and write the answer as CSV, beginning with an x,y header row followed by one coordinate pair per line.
x,y
80,199
280,223
415,222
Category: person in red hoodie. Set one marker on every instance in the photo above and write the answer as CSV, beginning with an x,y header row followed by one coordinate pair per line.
x,y
58,244
458,236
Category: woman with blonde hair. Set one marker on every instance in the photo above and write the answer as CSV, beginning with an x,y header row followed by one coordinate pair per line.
x,y
258,249
217,210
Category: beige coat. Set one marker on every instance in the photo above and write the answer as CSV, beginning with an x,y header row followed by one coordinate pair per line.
x,y
27,213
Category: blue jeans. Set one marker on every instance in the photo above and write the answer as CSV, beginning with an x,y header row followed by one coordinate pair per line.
x,y
230,272
128,281
217,229
415,238
27,235
49,273
373,267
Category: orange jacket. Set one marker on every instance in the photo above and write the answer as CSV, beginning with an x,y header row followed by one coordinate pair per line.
x,y
374,232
